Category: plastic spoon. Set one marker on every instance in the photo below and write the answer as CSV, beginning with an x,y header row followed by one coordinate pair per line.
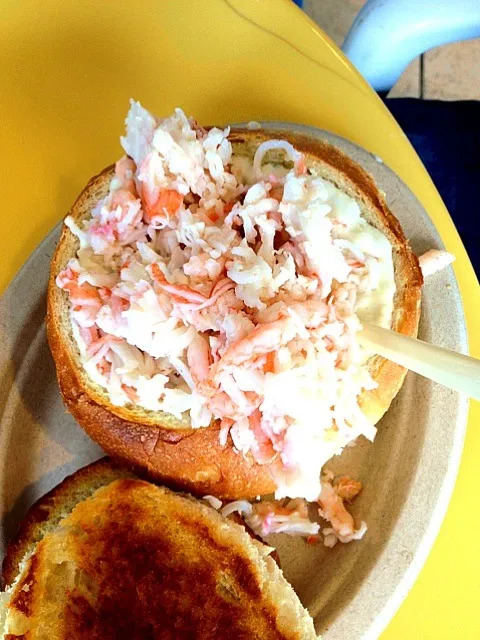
x,y
453,370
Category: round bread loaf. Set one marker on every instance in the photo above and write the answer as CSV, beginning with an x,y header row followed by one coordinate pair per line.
x,y
167,448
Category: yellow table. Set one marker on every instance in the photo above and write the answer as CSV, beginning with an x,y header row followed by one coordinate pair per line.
x,y
68,68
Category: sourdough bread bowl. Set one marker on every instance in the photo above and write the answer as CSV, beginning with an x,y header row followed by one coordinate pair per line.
x,y
166,447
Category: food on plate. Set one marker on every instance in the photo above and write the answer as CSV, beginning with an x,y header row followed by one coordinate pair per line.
x,y
434,260
293,517
107,555
204,301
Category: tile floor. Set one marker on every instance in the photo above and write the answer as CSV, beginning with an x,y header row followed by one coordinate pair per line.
x,y
450,72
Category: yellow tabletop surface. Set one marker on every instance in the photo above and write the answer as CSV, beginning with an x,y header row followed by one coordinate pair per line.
x,y
68,68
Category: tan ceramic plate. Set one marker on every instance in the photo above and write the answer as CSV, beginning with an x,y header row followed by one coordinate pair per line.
x,y
352,590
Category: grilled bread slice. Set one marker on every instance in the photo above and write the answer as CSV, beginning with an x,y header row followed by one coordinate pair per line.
x,y
107,555
167,448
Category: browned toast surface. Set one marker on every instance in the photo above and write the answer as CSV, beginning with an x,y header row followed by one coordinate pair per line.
x,y
133,560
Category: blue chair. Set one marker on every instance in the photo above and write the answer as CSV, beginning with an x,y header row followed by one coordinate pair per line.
x,y
388,34
384,38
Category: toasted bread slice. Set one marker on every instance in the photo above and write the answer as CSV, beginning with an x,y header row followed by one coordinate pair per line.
x,y
166,447
107,555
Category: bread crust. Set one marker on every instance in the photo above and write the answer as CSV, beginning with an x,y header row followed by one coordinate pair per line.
x,y
44,516
47,512
167,448
112,556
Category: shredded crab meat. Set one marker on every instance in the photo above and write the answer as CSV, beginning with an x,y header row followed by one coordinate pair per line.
x,y
267,517
213,501
292,517
332,499
285,146
211,296
434,260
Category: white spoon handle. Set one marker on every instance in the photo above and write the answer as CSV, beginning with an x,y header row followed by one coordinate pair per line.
x,y
453,370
